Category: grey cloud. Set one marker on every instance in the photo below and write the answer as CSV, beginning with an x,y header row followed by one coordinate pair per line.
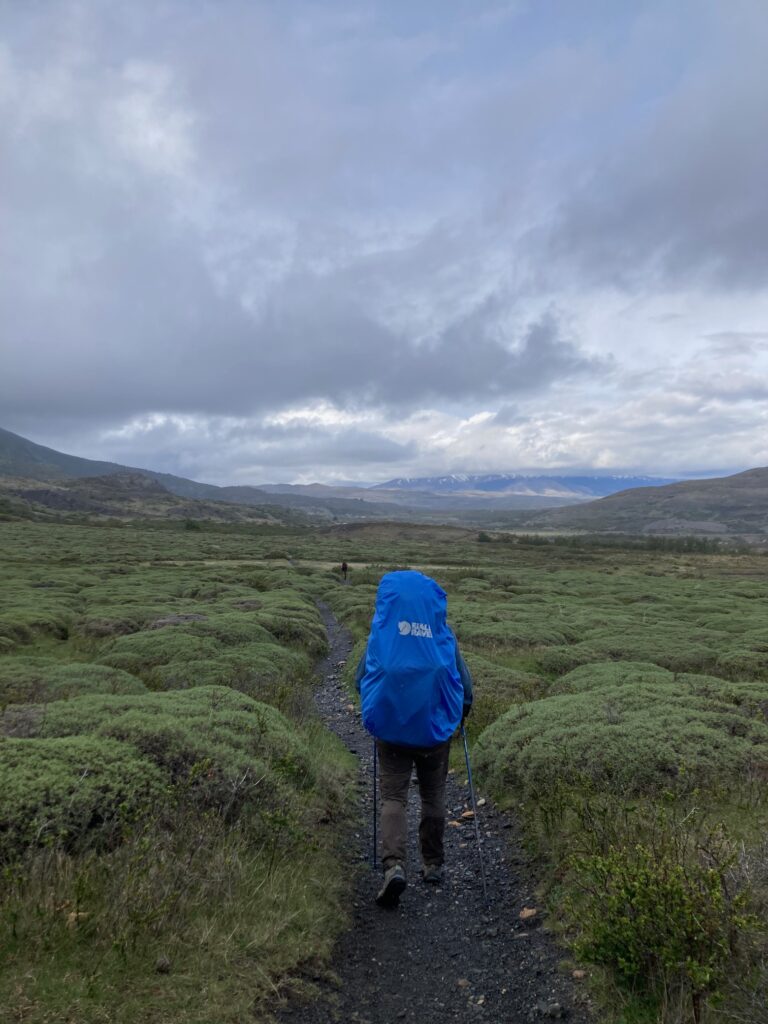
x,y
303,448
680,198
250,451
509,416
737,343
188,227
223,214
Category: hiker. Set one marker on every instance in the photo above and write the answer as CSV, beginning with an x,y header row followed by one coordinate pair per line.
x,y
344,568
415,691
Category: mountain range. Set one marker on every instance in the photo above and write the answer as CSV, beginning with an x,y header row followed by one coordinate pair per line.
x,y
24,459
41,478
570,488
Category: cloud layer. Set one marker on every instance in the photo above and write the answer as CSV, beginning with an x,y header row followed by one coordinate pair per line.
x,y
353,241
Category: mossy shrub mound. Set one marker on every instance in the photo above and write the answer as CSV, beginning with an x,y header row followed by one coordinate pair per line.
x,y
72,790
353,605
248,668
610,673
40,680
495,624
742,662
750,696
678,652
223,747
292,618
30,606
497,688
473,585
628,737
232,628
108,621
139,652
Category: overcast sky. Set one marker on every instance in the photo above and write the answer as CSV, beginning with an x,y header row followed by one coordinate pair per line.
x,y
350,240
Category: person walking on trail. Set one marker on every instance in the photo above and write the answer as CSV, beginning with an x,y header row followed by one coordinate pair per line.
x,y
344,568
415,691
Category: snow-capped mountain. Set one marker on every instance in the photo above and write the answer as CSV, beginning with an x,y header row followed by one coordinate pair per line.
x,y
577,487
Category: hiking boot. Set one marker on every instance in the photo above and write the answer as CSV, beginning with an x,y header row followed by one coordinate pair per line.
x,y
394,884
433,873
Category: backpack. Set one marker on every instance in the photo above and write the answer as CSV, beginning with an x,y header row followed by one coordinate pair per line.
x,y
411,692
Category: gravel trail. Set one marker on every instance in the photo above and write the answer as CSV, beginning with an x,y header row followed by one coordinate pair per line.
x,y
443,954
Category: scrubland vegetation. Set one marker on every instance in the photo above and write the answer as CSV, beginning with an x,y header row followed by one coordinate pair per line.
x,y
621,708
170,804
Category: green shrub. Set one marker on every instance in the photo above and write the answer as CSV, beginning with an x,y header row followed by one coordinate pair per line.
x,y
232,628
750,696
497,688
40,680
138,652
662,909
641,737
610,673
232,749
71,791
490,624
748,664
250,669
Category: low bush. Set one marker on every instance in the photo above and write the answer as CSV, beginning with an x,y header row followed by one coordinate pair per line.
x,y
609,673
71,791
139,652
227,747
497,688
353,605
639,737
494,624
663,907
750,696
245,668
232,628
40,680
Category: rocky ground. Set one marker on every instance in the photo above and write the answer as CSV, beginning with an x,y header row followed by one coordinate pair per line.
x,y
445,954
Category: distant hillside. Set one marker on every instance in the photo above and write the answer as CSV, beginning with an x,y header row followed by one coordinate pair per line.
x,y
725,505
23,459
29,461
736,504
125,495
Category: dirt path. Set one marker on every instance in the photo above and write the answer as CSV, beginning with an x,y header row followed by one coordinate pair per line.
x,y
443,955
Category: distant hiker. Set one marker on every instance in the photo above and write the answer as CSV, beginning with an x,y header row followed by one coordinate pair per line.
x,y
344,568
415,691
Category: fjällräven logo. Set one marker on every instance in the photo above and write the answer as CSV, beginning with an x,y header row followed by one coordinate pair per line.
x,y
415,629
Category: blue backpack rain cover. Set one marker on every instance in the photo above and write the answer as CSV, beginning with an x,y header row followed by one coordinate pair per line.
x,y
411,692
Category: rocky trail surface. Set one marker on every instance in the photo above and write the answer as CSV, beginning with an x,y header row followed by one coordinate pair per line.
x,y
444,954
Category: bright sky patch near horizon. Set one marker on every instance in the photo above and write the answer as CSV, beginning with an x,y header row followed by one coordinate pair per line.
x,y
254,241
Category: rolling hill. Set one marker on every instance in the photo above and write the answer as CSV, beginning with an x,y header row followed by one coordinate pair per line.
x,y
126,495
22,459
430,497
733,505
730,505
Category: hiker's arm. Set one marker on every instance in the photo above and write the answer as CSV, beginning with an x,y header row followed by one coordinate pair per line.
x,y
360,670
466,682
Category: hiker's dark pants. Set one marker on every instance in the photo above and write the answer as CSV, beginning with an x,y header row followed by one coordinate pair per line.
x,y
396,764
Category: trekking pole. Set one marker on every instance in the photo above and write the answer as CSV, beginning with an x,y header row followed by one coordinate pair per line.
x,y
375,808
474,811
